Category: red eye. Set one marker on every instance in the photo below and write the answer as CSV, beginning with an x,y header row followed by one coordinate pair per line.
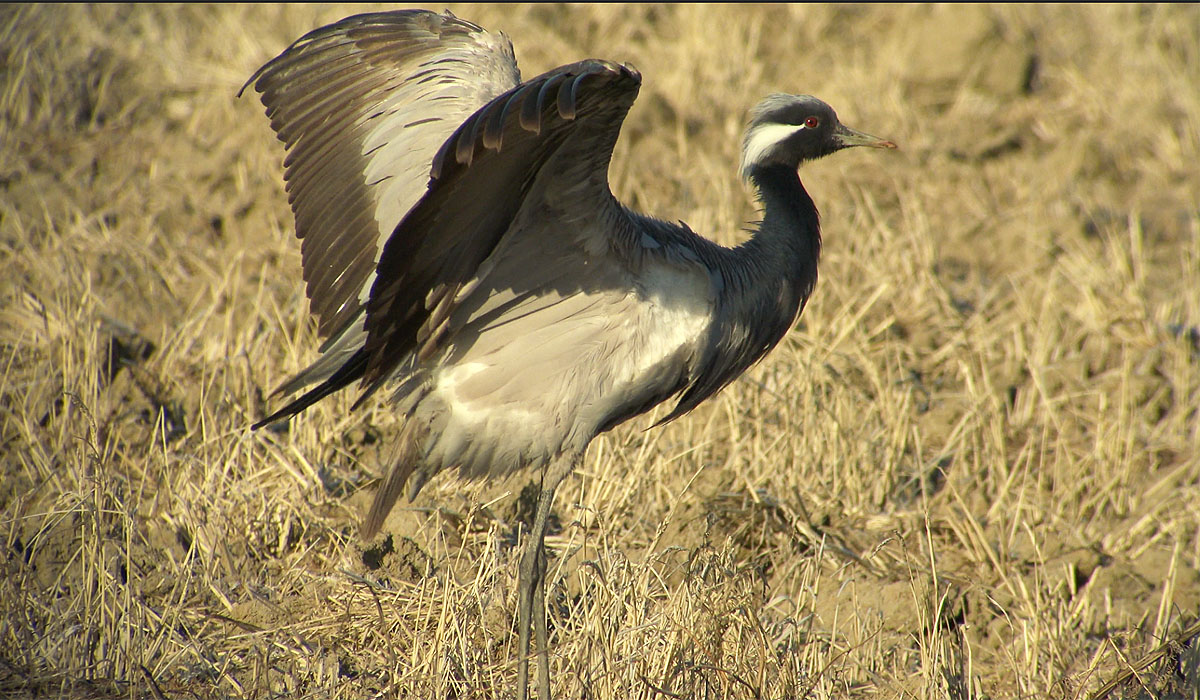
x,y
812,123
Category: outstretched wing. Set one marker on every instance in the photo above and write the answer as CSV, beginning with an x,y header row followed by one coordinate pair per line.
x,y
363,105
559,127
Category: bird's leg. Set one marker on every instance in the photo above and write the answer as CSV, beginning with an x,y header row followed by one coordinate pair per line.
x,y
539,623
531,613
531,610
528,579
539,612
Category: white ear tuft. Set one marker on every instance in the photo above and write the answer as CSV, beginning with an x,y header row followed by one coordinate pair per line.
x,y
762,140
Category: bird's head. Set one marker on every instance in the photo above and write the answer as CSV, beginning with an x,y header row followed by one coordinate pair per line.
x,y
790,129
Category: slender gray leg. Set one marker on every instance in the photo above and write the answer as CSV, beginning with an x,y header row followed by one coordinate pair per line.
x,y
539,616
531,610
525,584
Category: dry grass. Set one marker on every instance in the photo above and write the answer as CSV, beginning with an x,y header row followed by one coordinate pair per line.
x,y
972,471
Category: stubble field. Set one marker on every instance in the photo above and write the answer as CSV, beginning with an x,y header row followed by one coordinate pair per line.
x,y
971,471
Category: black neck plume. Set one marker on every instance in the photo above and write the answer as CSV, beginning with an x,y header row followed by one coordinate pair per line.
x,y
767,280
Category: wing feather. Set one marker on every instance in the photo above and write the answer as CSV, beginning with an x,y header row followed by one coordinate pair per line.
x,y
477,191
362,106
559,127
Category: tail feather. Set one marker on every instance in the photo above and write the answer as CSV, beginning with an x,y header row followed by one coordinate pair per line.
x,y
343,377
335,352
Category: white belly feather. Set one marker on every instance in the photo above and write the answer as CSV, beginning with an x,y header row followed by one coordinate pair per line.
x,y
543,376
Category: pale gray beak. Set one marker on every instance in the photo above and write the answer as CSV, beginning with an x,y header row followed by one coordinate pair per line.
x,y
849,137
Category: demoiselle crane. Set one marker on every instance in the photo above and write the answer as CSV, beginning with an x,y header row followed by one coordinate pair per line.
x,y
462,249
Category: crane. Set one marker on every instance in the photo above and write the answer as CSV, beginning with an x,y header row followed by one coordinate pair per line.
x,y
462,250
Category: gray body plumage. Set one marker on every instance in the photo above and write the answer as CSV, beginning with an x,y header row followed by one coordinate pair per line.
x,y
462,249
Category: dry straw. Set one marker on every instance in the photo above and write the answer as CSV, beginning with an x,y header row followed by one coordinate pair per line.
x,y
971,471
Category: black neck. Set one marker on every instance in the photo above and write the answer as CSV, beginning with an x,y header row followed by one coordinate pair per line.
x,y
766,282
790,233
